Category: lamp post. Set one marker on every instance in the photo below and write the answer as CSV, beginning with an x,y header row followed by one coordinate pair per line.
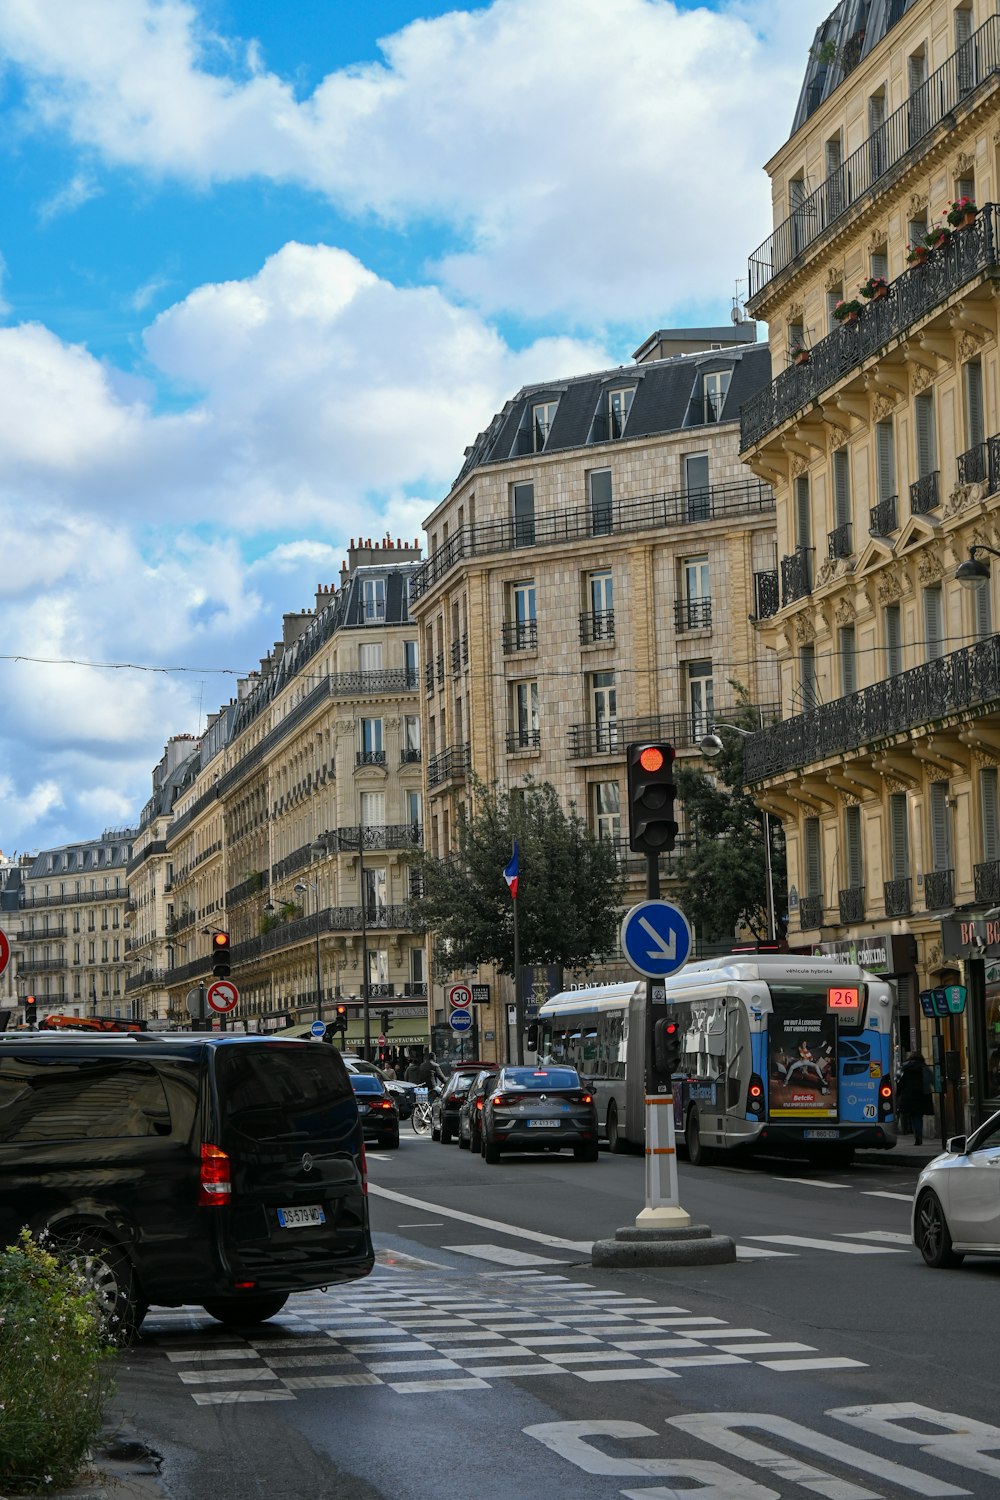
x,y
711,745
974,574
300,888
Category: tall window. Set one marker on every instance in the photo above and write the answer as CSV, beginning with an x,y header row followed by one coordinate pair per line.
x,y
541,422
522,501
803,527
966,59
522,608
933,623
808,687
876,141
375,891
701,697
833,296
800,219
370,656
923,413
714,385
371,738
893,640
607,810
418,972
604,705
834,155
853,853
619,406
885,460
378,967
411,736
600,623
878,263
525,714
975,426
373,598
989,807
917,113
899,836
940,812
410,660
842,513
982,609
599,487
697,604
813,857
696,490
848,660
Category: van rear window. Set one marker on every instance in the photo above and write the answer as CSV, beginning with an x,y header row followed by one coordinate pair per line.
x,y
282,1090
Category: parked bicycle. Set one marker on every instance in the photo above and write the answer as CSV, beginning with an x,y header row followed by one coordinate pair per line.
x,y
421,1117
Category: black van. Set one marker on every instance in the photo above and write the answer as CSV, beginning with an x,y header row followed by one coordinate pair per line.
x,y
180,1168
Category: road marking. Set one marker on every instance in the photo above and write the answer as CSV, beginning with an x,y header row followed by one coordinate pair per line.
x,y
767,1348
629,1374
819,1182
888,1235
581,1247
423,1224
502,1256
813,1364
757,1252
229,1398
899,1197
415,1387
803,1242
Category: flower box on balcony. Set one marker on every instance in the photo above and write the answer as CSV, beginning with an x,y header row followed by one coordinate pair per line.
x,y
874,289
847,311
799,355
962,213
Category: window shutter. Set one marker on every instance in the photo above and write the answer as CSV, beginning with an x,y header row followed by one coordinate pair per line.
x,y
975,426
940,826
990,804
982,605
848,661
899,835
926,457
814,869
893,643
933,623
841,487
807,676
803,518
963,27
880,265
852,833
886,455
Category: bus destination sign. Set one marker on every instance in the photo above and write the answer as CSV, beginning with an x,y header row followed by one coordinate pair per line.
x,y
844,1000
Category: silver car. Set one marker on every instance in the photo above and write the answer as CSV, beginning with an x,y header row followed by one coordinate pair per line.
x,y
956,1207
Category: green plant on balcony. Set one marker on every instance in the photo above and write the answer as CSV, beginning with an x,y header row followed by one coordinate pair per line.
x,y
918,253
939,235
874,289
962,213
799,354
848,310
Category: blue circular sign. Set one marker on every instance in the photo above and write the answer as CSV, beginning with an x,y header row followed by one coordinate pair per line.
x,y
656,938
460,1020
318,1028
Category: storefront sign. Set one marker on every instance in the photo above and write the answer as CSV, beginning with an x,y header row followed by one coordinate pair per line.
x,y
883,953
975,937
945,1000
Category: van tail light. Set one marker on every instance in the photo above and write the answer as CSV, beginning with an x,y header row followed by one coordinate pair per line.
x,y
364,1171
885,1104
755,1097
215,1184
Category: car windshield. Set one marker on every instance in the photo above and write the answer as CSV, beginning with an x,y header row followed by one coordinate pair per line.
x,y
541,1078
366,1083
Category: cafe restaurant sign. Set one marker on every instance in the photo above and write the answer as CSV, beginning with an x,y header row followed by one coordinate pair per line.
x,y
975,937
884,953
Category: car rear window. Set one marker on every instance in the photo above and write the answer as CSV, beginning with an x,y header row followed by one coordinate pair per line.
x,y
366,1083
282,1089
48,1099
541,1078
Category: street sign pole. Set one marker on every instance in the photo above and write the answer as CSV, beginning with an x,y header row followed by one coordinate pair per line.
x,y
663,1209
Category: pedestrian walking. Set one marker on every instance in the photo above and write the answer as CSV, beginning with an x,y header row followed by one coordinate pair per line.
x,y
914,1098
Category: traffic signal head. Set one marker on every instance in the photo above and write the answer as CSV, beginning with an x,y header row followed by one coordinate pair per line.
x,y
30,1010
340,1019
651,793
221,955
386,1023
667,1047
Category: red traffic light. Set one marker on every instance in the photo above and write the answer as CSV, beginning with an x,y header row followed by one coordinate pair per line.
x,y
221,955
220,940
671,1028
652,758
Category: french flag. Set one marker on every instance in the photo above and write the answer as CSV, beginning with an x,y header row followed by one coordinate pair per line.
x,y
510,873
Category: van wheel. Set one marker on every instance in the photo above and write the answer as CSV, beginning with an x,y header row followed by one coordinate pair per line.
x,y
244,1312
108,1274
616,1141
697,1155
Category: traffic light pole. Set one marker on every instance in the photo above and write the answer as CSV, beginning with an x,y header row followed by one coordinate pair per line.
x,y
663,1209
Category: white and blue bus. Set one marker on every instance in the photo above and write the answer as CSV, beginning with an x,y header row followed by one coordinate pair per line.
x,y
776,1052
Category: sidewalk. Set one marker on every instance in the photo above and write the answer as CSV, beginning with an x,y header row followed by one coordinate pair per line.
x,y
122,1468
905,1153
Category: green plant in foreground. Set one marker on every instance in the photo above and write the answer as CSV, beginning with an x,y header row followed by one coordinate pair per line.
x,y
55,1369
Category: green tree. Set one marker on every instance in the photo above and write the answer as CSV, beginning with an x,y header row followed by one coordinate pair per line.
x,y
569,889
722,877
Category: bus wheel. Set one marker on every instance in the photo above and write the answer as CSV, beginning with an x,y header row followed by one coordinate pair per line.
x,y
697,1155
616,1141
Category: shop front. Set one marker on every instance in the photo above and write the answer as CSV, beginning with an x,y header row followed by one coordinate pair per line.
x,y
892,956
973,943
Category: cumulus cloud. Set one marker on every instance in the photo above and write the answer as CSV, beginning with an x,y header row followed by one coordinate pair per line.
x,y
575,147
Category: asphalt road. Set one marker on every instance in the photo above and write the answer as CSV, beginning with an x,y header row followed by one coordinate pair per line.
x,y
486,1357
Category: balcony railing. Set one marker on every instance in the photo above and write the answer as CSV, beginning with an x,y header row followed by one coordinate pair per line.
x,y
380,836
692,614
810,912
839,541
523,739
852,904
409,755
439,666
520,635
42,965
456,658
898,897
370,758
939,889
363,684
450,765
925,494
767,599
965,679
641,513
882,518
429,677
964,256
40,937
683,731
981,464
796,575
899,139
597,625
987,882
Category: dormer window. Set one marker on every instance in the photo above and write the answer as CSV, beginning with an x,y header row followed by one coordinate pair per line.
x,y
714,386
542,416
619,406
373,598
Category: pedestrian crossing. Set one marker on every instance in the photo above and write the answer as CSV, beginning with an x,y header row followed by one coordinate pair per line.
x,y
413,1329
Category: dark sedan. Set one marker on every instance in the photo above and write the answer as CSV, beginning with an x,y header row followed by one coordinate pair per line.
x,y
379,1115
445,1108
539,1109
470,1116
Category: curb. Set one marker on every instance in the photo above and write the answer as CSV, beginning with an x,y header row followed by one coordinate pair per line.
x,y
121,1467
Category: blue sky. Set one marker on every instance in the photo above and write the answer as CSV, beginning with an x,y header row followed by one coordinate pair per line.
x,y
266,269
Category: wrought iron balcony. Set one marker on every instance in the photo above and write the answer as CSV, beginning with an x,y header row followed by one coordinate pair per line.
x,y
882,520
409,755
924,494
369,758
939,889
692,614
852,904
683,731
898,897
963,258
981,464
839,541
377,682
965,679
765,592
810,912
456,658
987,882
429,677
379,836
520,635
965,75
659,512
415,989
439,666
597,625
450,765
42,965
523,739
796,575
42,937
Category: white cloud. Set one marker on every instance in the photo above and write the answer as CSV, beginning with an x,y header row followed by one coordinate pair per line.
x,y
598,158
73,195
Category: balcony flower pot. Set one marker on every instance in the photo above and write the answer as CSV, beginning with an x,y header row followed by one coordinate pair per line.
x,y
917,254
847,312
874,289
798,355
962,213
937,237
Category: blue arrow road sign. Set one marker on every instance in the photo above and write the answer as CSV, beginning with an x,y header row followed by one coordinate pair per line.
x,y
460,1020
318,1028
656,938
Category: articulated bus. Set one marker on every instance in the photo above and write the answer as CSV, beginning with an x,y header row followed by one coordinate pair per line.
x,y
775,1052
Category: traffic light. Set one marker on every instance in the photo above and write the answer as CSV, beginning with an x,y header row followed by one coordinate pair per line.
x,y
386,1023
340,1019
221,955
651,791
667,1047
30,1011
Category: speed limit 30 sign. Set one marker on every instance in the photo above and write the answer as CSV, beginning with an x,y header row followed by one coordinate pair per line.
x,y
459,997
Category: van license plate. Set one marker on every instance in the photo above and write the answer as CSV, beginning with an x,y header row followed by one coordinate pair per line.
x,y
822,1135
543,1124
295,1218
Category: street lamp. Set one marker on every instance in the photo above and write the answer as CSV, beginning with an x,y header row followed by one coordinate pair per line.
x,y
300,889
974,574
711,745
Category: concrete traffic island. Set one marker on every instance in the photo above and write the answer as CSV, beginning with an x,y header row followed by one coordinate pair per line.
x,y
683,1245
